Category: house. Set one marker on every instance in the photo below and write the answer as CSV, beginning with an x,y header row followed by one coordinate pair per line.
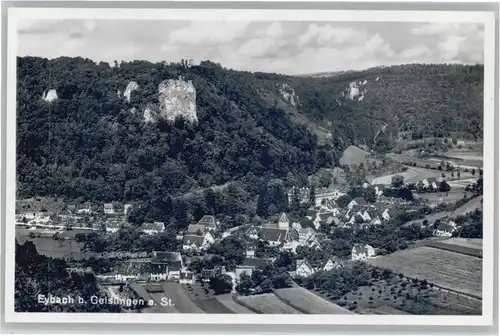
x,y
362,252
109,209
113,227
253,233
186,277
311,214
385,215
284,222
197,229
274,236
303,268
358,201
313,243
306,223
325,218
331,263
85,208
153,228
305,235
445,229
126,208
166,265
208,273
430,184
209,222
356,218
240,270
71,208
375,221
433,183
196,242
291,246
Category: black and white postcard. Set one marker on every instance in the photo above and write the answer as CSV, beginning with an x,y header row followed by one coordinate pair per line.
x,y
250,166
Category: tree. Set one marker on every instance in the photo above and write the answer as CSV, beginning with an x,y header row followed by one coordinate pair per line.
x,y
444,187
344,200
473,172
397,181
221,284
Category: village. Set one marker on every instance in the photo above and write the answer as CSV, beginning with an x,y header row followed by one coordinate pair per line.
x,y
261,244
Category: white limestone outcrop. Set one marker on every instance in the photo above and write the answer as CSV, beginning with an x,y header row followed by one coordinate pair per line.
x,y
177,98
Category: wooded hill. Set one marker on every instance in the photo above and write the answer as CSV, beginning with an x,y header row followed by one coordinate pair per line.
x,y
92,144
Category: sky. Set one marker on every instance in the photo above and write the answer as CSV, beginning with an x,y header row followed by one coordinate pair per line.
x,y
281,46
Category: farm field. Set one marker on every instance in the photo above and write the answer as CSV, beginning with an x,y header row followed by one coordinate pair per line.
x,y
413,174
430,218
470,206
228,301
353,155
434,162
266,304
213,306
463,248
183,303
402,296
444,197
450,270
476,243
50,247
307,302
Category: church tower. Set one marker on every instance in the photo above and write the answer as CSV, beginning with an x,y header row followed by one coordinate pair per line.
x,y
284,223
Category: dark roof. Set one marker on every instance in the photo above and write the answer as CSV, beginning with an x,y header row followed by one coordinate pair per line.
x,y
360,201
325,216
306,223
431,179
303,261
272,234
446,227
311,213
358,248
292,235
193,239
194,228
256,262
165,257
208,221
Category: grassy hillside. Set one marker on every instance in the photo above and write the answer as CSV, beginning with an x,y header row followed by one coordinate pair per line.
x,y
422,100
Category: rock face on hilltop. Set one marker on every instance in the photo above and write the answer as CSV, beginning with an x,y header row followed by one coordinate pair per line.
x,y
177,98
288,94
132,86
50,96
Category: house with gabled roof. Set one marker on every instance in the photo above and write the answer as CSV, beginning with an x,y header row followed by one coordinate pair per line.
x,y
311,214
196,242
127,208
284,222
358,201
274,236
196,229
303,268
305,234
152,228
209,222
109,209
186,277
330,263
445,229
112,226
166,265
362,252
85,208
